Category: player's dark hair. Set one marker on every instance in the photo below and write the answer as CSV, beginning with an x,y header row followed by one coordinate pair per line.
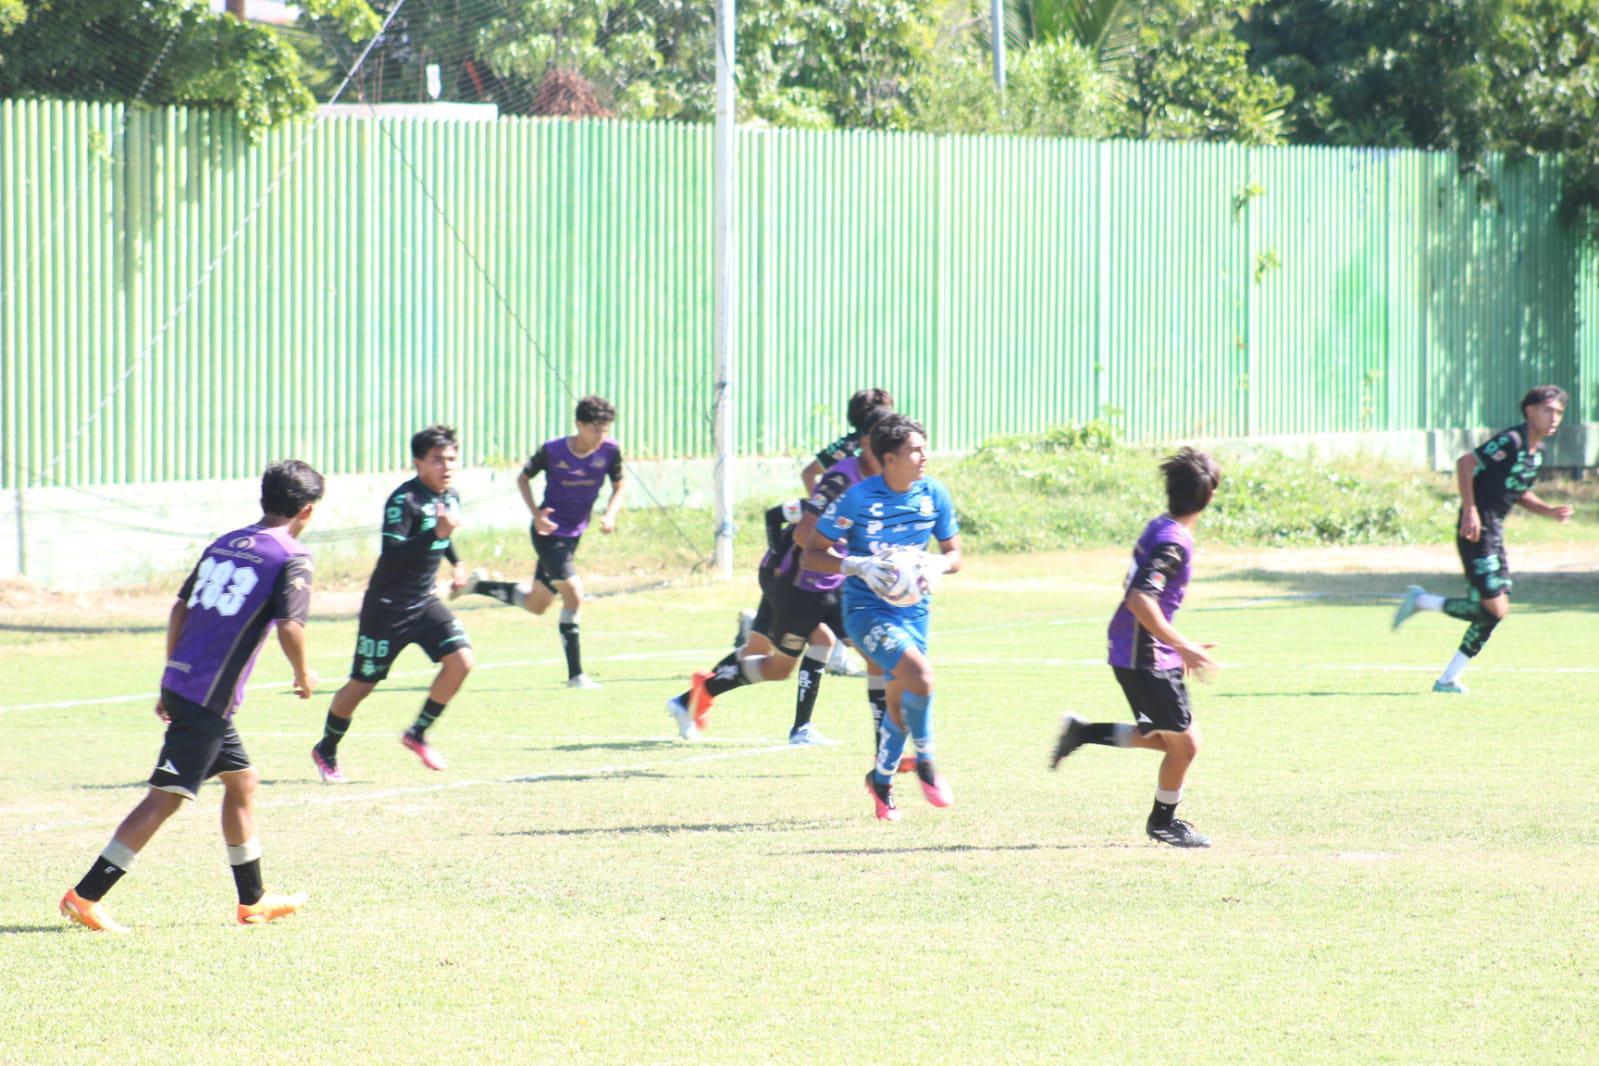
x,y
891,433
1191,480
287,486
862,403
871,417
592,409
1539,395
432,437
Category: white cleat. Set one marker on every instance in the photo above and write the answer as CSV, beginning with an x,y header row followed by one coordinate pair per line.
x,y
684,718
471,584
582,681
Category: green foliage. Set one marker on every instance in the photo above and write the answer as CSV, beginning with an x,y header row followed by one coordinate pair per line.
x,y
1519,77
161,52
1076,486
1054,89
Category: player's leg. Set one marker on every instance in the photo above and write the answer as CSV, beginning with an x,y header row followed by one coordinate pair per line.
x,y
912,689
1488,604
193,738
446,643
571,591
812,668
876,631
239,783
381,636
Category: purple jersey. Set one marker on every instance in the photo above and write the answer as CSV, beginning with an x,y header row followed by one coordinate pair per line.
x,y
839,479
1162,564
571,484
246,581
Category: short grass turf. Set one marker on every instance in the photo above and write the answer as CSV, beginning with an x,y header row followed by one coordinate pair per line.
x,y
1397,876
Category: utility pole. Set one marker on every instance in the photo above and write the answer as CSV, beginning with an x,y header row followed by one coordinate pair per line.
x,y
726,336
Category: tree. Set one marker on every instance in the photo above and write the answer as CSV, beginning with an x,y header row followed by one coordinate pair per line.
x,y
160,52
1519,77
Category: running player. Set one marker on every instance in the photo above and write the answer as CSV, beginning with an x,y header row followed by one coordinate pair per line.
x,y
1150,657
860,405
402,607
1493,479
898,508
796,605
573,469
246,582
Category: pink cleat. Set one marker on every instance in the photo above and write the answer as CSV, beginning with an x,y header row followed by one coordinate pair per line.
x,y
934,787
883,796
329,772
431,758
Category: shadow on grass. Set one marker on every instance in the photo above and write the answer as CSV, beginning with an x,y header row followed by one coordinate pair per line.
x,y
1539,591
664,829
7,929
957,848
146,784
617,745
1341,694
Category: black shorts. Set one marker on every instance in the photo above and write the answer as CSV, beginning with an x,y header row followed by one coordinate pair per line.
x,y
1159,699
387,630
199,744
766,608
555,559
1484,561
796,612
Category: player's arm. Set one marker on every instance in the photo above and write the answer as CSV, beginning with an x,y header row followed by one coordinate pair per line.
x,y
829,490
950,560
1534,503
614,504
175,617
1146,609
291,605
1470,522
402,532
946,530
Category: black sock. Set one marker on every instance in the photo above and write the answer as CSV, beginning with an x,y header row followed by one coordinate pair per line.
x,y
1100,733
1461,607
333,731
247,879
726,676
810,683
1162,814
98,881
431,709
878,698
574,654
1477,634
504,591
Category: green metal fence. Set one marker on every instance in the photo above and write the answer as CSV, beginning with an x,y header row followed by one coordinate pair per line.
x,y
177,304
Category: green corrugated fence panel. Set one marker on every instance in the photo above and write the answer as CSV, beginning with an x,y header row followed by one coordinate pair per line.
x,y
370,277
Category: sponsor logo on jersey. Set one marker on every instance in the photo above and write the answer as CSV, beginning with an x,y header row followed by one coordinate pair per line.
x,y
1158,581
298,583
560,464
242,543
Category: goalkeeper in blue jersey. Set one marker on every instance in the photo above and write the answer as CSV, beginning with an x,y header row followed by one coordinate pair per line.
x,y
876,534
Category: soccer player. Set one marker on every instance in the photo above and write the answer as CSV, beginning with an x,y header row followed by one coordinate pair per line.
x,y
1150,657
401,606
573,469
861,405
246,582
1493,479
796,605
898,508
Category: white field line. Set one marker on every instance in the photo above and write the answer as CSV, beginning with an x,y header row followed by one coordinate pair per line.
x,y
352,794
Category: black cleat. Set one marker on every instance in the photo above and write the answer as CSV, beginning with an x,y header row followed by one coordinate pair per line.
x,y
1177,833
1071,738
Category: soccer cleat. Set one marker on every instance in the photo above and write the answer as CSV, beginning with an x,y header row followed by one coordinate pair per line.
x,y
683,717
700,699
326,769
90,913
471,584
808,736
582,681
746,626
1407,606
1071,738
841,664
270,908
430,756
1452,688
1177,833
883,796
934,786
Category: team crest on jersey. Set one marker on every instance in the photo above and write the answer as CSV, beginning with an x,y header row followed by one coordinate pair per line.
x,y
1158,581
927,505
598,462
242,543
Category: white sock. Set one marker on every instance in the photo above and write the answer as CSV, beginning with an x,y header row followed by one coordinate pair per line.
x,y
1456,667
1428,601
1169,798
239,854
750,667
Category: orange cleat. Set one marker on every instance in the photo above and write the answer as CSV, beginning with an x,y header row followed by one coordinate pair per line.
x,y
699,699
270,908
90,913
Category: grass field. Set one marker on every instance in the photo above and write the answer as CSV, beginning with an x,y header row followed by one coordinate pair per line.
x,y
1397,876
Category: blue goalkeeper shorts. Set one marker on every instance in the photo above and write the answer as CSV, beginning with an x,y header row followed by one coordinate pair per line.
x,y
882,633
